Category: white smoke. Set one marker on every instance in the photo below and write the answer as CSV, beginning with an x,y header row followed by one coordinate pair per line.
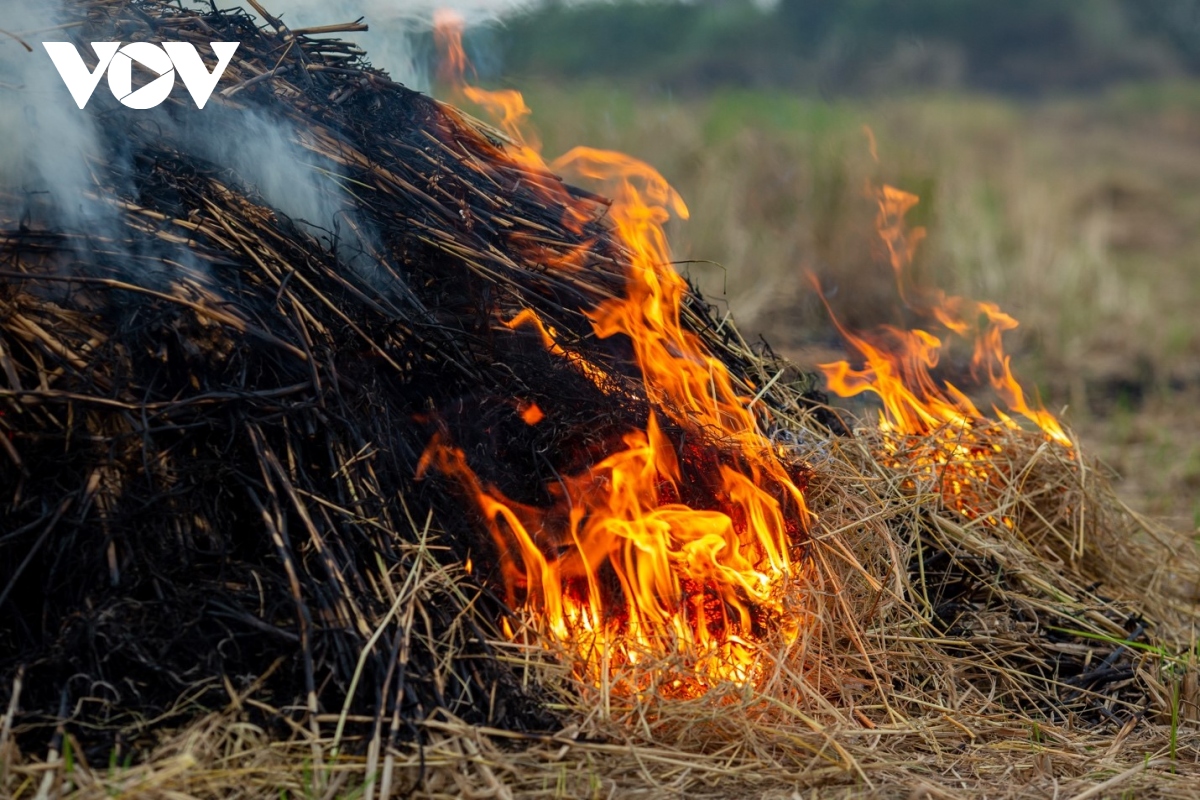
x,y
45,141
260,152
49,148
395,27
389,42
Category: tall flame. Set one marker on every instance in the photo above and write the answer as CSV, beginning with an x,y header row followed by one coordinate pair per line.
x,y
633,561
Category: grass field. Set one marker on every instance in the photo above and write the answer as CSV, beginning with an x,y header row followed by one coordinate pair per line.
x,y
974,615
1081,217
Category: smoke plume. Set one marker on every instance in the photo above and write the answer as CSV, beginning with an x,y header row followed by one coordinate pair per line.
x,y
51,151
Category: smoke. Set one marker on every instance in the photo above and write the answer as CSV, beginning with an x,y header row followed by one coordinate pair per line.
x,y
45,142
60,166
398,37
391,42
260,152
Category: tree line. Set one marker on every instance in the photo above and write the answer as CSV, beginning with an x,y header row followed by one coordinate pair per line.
x,y
1016,46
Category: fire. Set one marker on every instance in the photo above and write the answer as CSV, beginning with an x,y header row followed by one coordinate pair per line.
x,y
932,425
531,413
659,550
506,107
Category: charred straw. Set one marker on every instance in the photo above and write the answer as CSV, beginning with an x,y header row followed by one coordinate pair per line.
x,y
222,357
213,408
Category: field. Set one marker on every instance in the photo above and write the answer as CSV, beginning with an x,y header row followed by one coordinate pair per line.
x,y
1080,217
359,454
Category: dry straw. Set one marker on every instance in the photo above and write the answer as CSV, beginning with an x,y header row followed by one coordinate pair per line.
x,y
1042,646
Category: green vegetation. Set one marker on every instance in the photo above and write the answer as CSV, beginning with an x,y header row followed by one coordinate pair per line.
x,y
836,46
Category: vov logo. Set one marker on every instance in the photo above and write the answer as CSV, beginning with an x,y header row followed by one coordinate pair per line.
x,y
163,60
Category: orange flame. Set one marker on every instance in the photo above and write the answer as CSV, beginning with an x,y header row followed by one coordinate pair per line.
x,y
980,322
899,374
505,106
531,413
898,366
634,561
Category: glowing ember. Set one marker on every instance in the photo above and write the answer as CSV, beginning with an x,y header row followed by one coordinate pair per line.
x,y
656,551
530,413
935,427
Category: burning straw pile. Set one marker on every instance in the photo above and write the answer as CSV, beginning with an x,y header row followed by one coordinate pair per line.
x,y
343,444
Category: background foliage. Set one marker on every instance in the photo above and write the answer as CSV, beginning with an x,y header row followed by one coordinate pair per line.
x,y
1020,46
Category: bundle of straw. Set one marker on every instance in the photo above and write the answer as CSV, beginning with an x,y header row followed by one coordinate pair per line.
x,y
214,558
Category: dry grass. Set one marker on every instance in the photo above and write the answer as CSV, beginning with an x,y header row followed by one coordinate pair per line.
x,y
1066,667
1042,645
1079,217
